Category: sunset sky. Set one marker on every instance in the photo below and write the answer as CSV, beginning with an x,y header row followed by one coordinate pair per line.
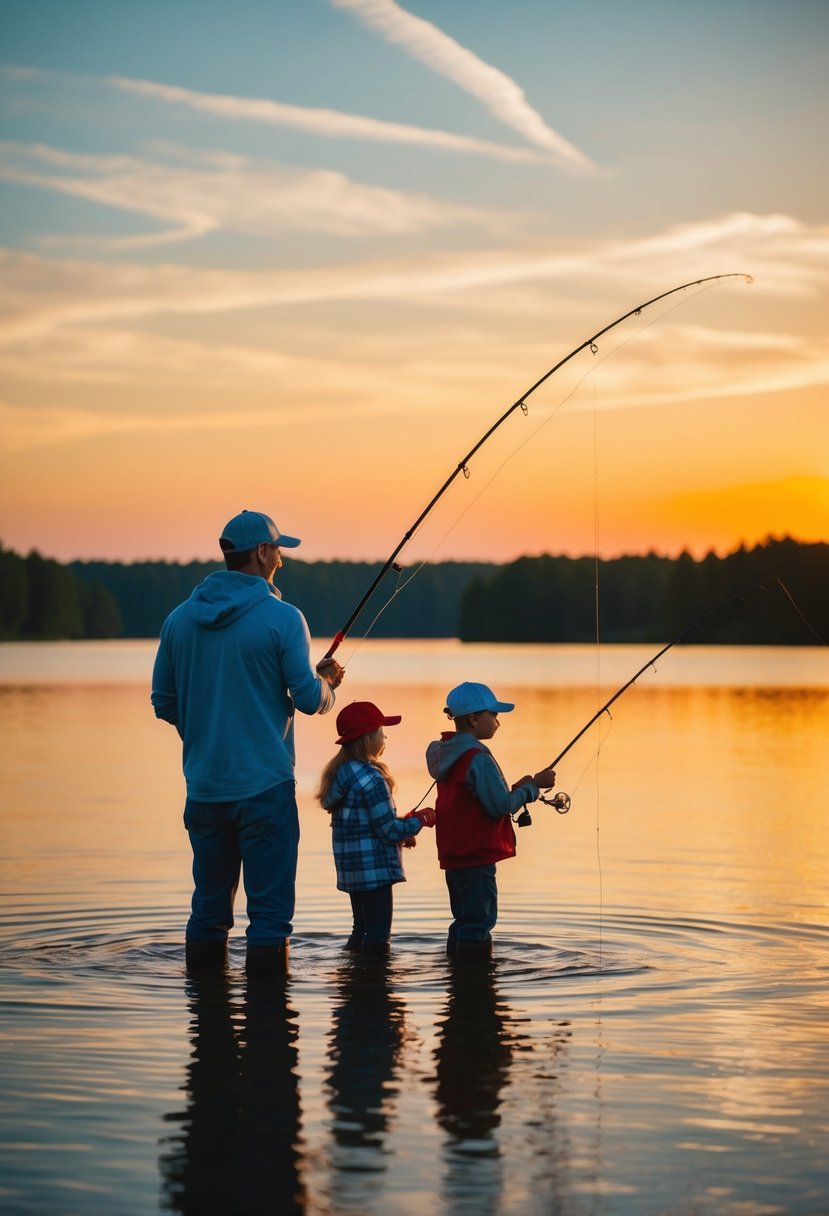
x,y
298,255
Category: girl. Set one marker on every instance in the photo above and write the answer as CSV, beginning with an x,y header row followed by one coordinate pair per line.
x,y
356,788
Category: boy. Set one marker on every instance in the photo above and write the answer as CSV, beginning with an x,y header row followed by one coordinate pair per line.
x,y
474,805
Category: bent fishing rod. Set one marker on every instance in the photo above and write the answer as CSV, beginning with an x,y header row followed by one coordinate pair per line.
x,y
561,801
521,403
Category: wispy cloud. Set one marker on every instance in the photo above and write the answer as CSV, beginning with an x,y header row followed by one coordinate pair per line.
x,y
786,257
682,363
84,330
224,191
22,430
55,426
231,388
498,92
331,124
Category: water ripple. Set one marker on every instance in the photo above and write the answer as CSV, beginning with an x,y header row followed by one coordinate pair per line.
x,y
679,952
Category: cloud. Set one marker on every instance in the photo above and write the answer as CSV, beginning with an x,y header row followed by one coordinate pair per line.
x,y
76,336
331,124
787,259
108,382
683,363
146,365
90,382
504,99
53,426
224,191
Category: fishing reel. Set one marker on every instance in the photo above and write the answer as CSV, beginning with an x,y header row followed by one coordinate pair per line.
x,y
560,801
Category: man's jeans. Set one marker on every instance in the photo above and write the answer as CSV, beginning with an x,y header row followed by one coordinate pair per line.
x,y
473,898
258,835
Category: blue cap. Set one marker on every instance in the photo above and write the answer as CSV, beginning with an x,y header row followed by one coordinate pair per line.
x,y
253,528
474,699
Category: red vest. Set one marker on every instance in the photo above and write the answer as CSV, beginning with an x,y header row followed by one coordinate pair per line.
x,y
465,835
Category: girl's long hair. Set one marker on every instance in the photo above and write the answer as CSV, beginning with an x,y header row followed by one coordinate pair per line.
x,y
363,749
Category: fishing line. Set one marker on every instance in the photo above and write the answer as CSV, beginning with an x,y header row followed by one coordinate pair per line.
x,y
599,860
398,587
592,759
598,672
553,413
459,519
521,402
808,624
589,371
560,801
696,626
597,611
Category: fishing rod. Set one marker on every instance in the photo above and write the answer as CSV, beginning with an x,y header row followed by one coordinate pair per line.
x,y
521,403
561,801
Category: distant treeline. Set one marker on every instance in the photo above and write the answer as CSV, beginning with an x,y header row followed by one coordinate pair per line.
x,y
41,599
654,599
326,592
534,599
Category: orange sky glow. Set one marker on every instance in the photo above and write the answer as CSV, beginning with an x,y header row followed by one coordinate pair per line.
x,y
271,288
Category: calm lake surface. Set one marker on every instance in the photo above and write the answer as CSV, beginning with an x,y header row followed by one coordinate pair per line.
x,y
652,1038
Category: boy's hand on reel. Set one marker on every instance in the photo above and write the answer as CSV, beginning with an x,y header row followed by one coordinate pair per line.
x,y
409,842
545,780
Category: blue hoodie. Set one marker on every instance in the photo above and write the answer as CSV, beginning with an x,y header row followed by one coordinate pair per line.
x,y
233,661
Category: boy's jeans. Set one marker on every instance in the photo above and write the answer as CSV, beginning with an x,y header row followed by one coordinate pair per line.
x,y
260,836
473,898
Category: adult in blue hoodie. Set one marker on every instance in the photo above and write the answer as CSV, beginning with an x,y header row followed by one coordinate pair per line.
x,y
233,664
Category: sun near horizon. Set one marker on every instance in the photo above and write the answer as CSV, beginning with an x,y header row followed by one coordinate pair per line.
x,y
307,273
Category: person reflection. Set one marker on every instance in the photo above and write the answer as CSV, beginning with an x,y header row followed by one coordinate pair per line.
x,y
238,1148
476,1041
365,1045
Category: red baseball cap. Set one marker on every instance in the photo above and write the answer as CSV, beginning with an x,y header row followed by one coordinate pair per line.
x,y
361,718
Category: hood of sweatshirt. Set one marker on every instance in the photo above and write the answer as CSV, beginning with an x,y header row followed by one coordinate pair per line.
x,y
442,753
346,776
223,597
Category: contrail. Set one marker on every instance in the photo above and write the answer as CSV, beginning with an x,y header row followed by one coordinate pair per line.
x,y
333,124
492,87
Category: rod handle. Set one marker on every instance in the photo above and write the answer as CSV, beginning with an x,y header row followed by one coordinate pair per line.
x,y
339,637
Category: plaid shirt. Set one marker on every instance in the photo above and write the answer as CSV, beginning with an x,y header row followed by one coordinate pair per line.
x,y
366,830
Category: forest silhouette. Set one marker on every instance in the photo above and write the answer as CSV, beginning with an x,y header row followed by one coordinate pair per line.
x,y
533,599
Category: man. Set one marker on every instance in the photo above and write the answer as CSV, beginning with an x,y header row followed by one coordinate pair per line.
x,y
233,663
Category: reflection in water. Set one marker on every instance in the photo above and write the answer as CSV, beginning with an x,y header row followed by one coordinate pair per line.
x,y
238,1150
498,1158
364,1047
477,1040
706,1090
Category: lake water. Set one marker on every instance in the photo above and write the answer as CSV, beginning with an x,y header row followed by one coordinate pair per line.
x,y
652,1038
